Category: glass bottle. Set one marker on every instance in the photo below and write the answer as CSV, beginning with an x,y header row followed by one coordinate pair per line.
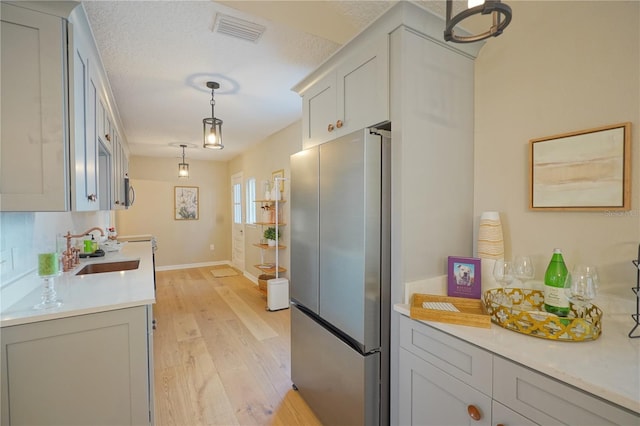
x,y
555,301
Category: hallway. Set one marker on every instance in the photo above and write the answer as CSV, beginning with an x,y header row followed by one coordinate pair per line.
x,y
220,357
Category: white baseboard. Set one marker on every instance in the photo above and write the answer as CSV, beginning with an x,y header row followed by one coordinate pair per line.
x,y
246,274
250,277
192,265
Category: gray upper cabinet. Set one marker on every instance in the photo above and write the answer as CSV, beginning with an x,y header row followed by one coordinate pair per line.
x,y
354,93
54,150
34,131
84,135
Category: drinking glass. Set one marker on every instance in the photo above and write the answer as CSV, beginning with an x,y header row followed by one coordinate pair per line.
x,y
503,274
523,268
581,286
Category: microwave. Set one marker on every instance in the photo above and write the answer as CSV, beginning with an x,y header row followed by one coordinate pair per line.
x,y
129,192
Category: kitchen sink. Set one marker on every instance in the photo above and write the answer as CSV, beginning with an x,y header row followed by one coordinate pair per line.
x,y
98,268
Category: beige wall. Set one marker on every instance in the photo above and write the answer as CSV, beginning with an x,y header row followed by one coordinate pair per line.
x,y
180,242
259,162
559,67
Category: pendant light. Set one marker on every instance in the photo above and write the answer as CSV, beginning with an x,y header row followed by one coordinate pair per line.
x,y
183,168
500,13
212,127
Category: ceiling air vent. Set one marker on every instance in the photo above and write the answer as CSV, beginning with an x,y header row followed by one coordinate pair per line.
x,y
238,28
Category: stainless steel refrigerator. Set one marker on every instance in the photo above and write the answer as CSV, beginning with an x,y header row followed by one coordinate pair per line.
x,y
340,278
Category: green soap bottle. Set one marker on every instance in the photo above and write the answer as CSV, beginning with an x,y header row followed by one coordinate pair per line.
x,y
555,300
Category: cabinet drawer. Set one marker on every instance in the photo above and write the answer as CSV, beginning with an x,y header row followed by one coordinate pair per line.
x,y
429,396
548,401
462,360
501,415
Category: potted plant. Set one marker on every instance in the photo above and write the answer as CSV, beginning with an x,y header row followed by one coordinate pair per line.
x,y
270,235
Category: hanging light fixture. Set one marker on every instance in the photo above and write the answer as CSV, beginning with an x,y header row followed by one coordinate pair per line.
x,y
183,168
500,14
212,127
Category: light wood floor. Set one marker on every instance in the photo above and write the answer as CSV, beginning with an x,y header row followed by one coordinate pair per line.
x,y
220,357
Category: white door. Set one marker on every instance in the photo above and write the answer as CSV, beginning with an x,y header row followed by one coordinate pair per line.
x,y
237,230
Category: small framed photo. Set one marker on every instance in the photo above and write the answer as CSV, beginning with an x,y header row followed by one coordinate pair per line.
x,y
464,277
185,203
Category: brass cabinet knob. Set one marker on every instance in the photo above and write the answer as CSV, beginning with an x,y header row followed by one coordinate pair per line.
x,y
339,124
474,413
330,128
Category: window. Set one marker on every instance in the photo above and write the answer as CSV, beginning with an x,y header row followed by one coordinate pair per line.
x,y
251,198
237,203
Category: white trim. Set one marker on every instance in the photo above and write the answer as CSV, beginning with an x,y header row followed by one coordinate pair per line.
x,y
192,265
250,277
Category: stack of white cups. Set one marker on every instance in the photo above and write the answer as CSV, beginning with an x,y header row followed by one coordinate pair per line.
x,y
490,247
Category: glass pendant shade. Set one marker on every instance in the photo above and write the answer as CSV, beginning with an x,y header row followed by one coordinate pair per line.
x,y
212,127
183,168
212,133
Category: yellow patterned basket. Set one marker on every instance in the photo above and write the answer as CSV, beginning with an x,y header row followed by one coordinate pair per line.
x,y
526,315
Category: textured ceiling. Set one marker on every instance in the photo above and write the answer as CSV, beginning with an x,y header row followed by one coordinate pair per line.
x,y
159,55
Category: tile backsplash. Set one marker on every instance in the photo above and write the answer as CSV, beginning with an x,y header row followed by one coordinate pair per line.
x,y
23,234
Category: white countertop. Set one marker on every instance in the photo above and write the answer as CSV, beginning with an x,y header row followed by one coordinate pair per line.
x,y
608,367
86,294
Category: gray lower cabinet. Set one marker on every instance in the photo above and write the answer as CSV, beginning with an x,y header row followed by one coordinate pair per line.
x,y
429,396
89,369
508,417
547,401
443,380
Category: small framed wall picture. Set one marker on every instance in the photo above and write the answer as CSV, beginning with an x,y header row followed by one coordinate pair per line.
x,y
185,203
464,277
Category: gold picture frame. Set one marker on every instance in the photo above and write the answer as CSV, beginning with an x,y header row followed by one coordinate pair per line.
x,y
186,203
587,170
278,174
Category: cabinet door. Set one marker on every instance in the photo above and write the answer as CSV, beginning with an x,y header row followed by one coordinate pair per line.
x,y
429,396
362,87
90,369
319,112
34,130
119,170
84,153
550,402
104,123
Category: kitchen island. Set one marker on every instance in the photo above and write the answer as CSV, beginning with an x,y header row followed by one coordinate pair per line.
x,y
89,361
606,370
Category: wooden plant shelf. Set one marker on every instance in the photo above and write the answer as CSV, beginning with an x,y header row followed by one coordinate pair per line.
x,y
270,269
268,247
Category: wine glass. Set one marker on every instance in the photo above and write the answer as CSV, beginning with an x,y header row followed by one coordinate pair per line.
x,y
581,286
503,274
523,268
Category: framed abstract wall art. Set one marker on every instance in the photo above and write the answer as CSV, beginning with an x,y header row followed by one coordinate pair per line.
x,y
588,170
